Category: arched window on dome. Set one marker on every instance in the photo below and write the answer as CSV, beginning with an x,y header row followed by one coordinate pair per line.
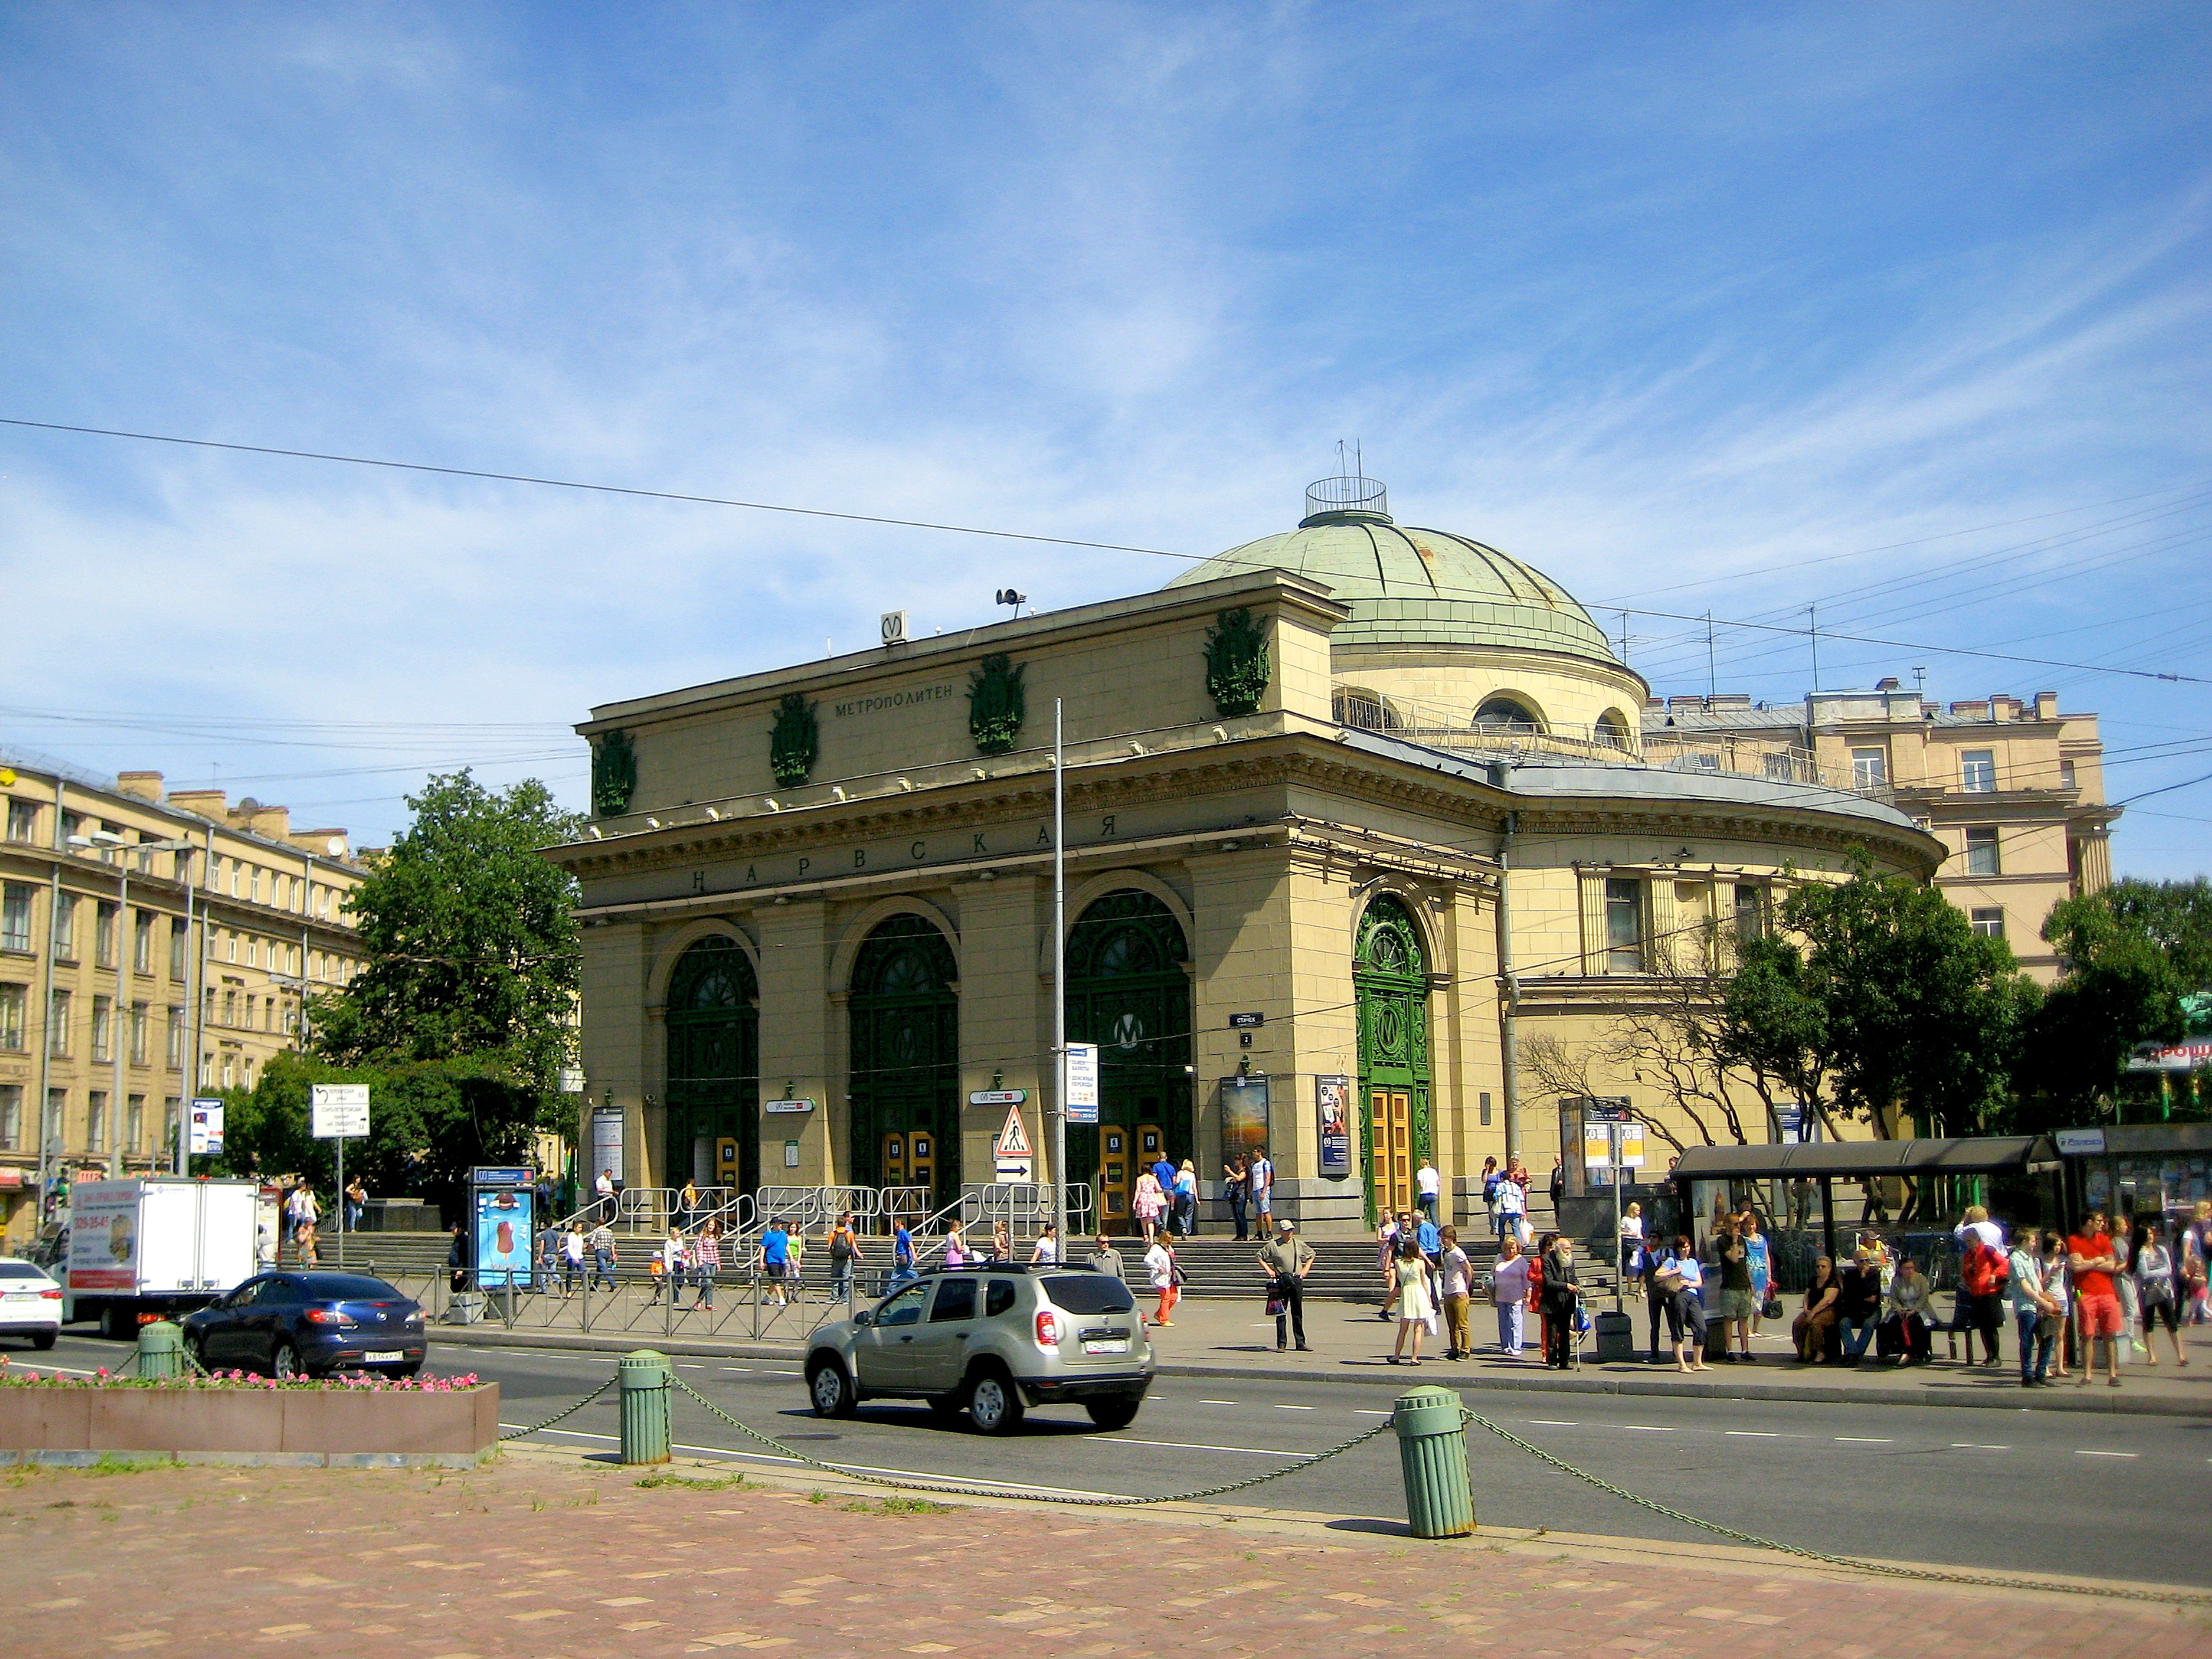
x,y
1507,715
1613,730
1369,710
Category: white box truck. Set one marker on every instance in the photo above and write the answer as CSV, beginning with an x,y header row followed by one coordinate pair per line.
x,y
144,1249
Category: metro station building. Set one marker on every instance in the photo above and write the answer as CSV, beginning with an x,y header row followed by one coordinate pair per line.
x,y
1348,808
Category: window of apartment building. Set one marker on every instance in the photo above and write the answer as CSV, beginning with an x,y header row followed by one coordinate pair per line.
x,y
1869,767
1623,926
137,1034
1750,913
249,1070
65,909
176,1044
215,871
14,999
15,900
170,1109
1978,771
95,1120
142,942
230,1070
322,904
72,826
11,1117
249,1013
180,934
230,1007
2066,774
253,951
103,1028
1989,922
134,1124
230,946
57,1117
103,935
291,1020
23,820
1981,851
206,1077
58,1025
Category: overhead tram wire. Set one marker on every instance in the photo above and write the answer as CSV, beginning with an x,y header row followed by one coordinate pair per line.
x,y
686,498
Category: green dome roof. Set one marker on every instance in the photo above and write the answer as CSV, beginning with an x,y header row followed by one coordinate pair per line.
x,y
1410,587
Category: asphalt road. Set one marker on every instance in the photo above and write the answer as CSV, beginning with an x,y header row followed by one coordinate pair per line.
x,y
2069,1492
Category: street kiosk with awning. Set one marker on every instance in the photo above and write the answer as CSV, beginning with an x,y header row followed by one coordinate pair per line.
x,y
1825,1162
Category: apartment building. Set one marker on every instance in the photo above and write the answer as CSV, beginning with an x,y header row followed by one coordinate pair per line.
x,y
139,926
2013,788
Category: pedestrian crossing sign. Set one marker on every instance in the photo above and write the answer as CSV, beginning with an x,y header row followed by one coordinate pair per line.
x,y
1014,1139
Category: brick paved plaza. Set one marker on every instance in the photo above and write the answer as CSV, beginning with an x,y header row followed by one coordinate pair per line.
x,y
548,1554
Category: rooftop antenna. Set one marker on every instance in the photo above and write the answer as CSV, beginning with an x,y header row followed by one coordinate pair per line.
x,y
1812,612
1920,680
1624,639
1712,673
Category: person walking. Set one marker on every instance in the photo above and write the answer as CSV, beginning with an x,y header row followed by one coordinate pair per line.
x,y
1513,1208
1412,1300
2093,1258
1160,1274
1428,1191
903,1271
1234,1175
303,1213
2196,1266
457,1259
1002,1243
669,1268
1287,1260
1631,1237
1563,1293
2157,1294
1186,1198
1260,1186
551,1245
1105,1259
1643,1270
1045,1253
572,1258
1388,1226
1508,1290
844,1255
1455,1277
774,1259
955,1254
1146,1204
1558,1184
2035,1315
1491,1178
687,1206
706,1261
356,1205
602,1245
604,1189
1682,1277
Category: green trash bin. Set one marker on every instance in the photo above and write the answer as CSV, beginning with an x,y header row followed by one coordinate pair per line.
x,y
160,1350
1432,1455
644,1380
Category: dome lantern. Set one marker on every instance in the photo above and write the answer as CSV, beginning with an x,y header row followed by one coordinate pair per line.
x,y
1344,500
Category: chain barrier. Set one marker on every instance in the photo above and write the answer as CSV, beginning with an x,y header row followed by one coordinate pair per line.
x,y
1926,1575
1075,1499
566,1411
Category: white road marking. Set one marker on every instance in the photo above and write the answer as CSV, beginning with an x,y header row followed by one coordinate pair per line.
x,y
1862,1440
1185,1445
2107,1453
1751,1434
1552,1423
1297,1409
1360,1412
1210,1402
737,1367
1969,1445
1644,1428
865,1468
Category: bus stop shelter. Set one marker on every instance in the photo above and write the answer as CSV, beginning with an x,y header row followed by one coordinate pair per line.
x,y
1825,1162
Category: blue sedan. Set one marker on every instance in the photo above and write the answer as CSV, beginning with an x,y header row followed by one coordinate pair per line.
x,y
304,1324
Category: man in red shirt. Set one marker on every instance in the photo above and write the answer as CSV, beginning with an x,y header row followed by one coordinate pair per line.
x,y
2091,1262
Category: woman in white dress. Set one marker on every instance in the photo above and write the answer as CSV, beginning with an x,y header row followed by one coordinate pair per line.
x,y
1412,1298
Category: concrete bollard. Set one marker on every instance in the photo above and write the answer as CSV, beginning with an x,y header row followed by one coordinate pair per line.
x,y
160,1350
644,1380
1432,1455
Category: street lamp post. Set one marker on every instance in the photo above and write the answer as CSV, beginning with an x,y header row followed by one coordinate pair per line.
x,y
118,1017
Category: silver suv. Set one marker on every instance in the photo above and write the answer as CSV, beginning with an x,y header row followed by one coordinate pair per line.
x,y
996,1338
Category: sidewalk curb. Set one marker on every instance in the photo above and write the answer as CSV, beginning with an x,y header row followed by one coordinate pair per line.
x,y
1992,1397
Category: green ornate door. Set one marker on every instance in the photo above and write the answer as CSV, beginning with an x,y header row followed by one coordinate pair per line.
x,y
1128,993
713,1068
906,1061
1390,987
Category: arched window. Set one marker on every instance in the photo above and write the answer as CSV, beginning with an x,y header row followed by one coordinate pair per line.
x,y
713,1066
1612,729
904,956
1507,715
1367,709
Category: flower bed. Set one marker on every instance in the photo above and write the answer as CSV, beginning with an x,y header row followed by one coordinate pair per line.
x,y
237,1417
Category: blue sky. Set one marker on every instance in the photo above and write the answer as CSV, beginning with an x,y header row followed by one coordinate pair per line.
x,y
1690,307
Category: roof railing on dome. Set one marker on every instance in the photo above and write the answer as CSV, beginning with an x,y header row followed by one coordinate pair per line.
x,y
1348,495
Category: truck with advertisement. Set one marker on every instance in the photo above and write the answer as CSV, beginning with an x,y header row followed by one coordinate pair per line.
x,y
145,1249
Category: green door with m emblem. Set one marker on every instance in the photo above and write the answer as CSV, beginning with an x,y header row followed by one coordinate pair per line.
x,y
1128,991
1390,989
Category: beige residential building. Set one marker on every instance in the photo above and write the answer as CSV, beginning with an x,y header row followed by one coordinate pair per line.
x,y
2013,788
108,929
1354,812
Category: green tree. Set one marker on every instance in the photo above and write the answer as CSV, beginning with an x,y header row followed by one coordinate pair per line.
x,y
1893,1003
2130,954
470,945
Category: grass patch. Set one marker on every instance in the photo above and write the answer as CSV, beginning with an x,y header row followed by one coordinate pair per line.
x,y
696,1483
898,1506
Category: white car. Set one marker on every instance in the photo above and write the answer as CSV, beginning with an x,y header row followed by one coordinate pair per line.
x,y
30,1303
